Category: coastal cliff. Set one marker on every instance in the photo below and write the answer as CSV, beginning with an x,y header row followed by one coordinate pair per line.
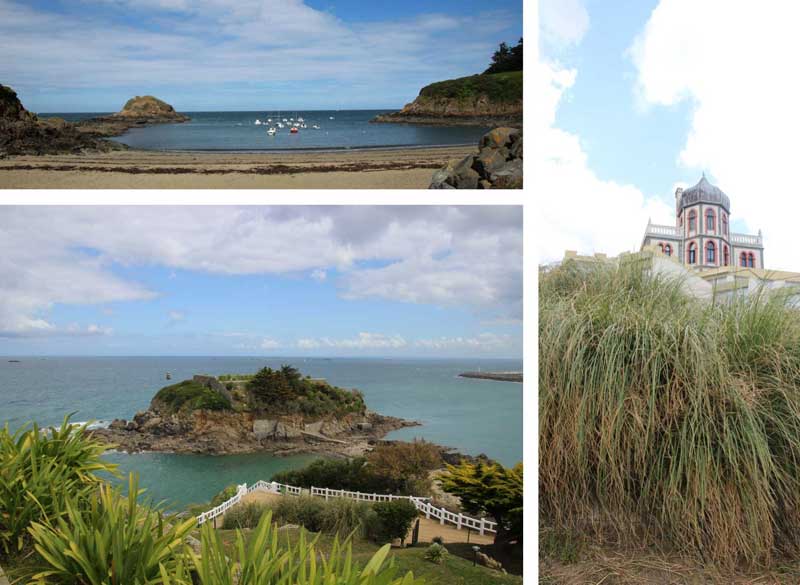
x,y
23,132
478,100
274,413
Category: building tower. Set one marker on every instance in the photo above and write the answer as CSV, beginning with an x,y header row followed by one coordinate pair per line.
x,y
701,238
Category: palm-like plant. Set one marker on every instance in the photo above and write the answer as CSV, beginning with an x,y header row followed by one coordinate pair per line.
x,y
109,540
38,469
262,562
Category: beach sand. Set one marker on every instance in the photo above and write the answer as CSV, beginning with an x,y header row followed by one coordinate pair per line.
x,y
410,168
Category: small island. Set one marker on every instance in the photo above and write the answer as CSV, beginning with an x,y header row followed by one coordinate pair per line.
x,y
277,411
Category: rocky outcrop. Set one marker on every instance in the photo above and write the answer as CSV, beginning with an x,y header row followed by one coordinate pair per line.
x,y
498,164
441,111
22,132
225,432
138,111
476,100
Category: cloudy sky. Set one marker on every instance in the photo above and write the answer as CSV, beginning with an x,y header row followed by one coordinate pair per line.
x,y
92,55
637,97
326,281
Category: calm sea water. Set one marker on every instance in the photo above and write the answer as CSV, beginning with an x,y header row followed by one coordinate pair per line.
x,y
338,129
474,416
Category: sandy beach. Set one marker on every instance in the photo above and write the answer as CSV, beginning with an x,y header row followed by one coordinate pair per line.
x,y
410,168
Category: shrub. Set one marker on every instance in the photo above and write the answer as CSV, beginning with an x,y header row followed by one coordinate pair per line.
x,y
260,561
336,474
344,517
306,511
38,470
108,539
437,540
669,418
190,395
489,488
244,515
435,553
223,496
406,464
392,520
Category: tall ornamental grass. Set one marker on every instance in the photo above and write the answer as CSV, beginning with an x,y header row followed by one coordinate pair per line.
x,y
668,420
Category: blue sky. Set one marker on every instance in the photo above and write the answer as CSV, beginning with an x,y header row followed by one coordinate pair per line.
x,y
365,281
92,55
638,97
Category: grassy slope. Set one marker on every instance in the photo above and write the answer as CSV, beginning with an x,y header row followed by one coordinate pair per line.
x,y
499,87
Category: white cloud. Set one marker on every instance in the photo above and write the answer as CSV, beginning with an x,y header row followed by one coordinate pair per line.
x,y
460,256
252,42
563,22
733,64
318,274
480,342
361,341
576,209
269,343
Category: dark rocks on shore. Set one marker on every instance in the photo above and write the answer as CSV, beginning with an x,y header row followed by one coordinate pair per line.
x,y
497,376
498,164
23,132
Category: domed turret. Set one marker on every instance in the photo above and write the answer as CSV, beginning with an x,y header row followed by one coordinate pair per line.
x,y
704,192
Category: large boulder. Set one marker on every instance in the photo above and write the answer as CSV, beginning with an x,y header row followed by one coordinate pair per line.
x,y
498,164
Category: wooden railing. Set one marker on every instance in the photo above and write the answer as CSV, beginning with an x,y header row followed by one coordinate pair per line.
x,y
422,504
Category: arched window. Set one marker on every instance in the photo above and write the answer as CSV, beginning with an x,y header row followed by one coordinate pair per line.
x,y
711,253
668,250
750,260
692,253
692,221
743,259
724,224
725,255
710,220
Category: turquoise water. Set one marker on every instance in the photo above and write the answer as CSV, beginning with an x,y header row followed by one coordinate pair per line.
x,y
237,131
473,416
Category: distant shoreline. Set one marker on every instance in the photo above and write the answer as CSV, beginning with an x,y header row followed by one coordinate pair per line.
x,y
497,376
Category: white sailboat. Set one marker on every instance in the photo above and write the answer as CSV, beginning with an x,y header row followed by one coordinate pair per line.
x,y
271,131
258,122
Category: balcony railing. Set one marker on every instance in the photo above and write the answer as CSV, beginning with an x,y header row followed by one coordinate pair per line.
x,y
746,240
663,230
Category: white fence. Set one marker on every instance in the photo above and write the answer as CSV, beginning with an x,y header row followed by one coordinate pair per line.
x,y
423,504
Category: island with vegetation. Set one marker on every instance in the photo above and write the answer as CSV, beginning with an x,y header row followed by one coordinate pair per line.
x,y
492,98
280,411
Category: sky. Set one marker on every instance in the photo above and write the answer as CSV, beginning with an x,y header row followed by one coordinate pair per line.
x,y
391,281
202,55
638,97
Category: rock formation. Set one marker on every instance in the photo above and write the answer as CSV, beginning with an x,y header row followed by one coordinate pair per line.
x,y
238,429
477,100
22,132
498,164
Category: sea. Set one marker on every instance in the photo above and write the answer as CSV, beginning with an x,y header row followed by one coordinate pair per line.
x,y
472,416
237,131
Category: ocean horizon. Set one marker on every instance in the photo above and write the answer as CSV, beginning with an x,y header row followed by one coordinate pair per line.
x,y
237,131
471,416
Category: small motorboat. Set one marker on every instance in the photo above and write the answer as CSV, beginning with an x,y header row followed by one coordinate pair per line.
x,y
269,120
331,118
271,131
169,376
315,127
300,120
294,130
258,122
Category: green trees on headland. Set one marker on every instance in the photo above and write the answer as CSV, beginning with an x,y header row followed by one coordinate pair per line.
x,y
506,59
